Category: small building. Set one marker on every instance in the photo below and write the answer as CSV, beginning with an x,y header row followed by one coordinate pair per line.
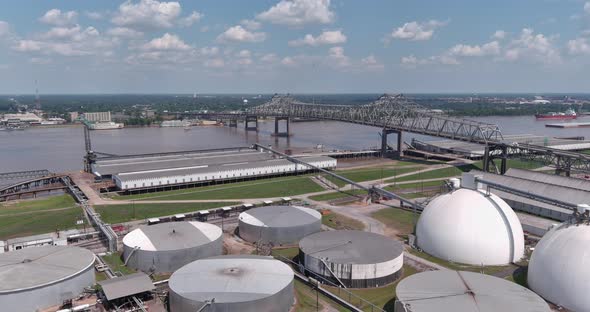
x,y
36,241
118,289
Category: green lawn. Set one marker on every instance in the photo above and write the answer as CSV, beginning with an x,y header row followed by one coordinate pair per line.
x,y
276,187
337,195
459,266
339,221
31,217
288,253
519,276
436,174
383,297
306,299
139,211
415,185
115,262
402,221
361,175
585,152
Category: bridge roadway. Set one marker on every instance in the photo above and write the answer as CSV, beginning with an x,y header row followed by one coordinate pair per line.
x,y
395,114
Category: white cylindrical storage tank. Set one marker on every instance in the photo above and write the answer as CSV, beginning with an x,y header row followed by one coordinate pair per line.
x,y
559,267
240,283
447,290
36,278
278,225
355,258
471,227
166,247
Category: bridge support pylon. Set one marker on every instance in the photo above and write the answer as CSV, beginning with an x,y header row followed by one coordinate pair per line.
x,y
249,119
233,123
384,145
277,133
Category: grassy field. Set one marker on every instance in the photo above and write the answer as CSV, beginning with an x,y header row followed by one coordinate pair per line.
x,y
289,253
139,211
38,216
459,266
341,222
360,175
306,299
383,297
519,277
415,185
401,220
337,195
276,187
115,262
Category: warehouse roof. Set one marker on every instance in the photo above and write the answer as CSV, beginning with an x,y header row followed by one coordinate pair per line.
x,y
231,278
172,235
176,172
280,216
40,266
182,161
460,291
579,184
127,285
355,247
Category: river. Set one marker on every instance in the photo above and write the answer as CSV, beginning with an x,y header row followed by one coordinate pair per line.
x,y
62,148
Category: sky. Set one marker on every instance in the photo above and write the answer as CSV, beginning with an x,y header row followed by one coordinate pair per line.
x,y
296,46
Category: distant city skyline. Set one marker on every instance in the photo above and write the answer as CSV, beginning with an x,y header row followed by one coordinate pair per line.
x,y
296,46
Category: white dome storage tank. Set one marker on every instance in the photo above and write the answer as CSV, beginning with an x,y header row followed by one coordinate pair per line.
x,y
471,227
447,290
559,269
165,247
36,278
240,283
278,225
359,259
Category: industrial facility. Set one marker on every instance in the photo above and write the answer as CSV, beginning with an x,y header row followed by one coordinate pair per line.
x,y
36,278
278,225
353,259
143,172
470,226
166,247
558,269
241,283
447,290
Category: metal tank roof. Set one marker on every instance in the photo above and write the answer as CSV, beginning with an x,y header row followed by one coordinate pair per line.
x,y
40,266
354,247
238,278
558,269
172,236
460,291
280,216
471,227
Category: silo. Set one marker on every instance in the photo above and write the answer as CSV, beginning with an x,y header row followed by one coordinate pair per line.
x,y
278,225
472,227
243,283
356,259
165,247
447,290
36,278
558,269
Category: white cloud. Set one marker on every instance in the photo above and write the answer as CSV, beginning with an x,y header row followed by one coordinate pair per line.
x,y
147,14
325,38
39,60
209,51
191,19
244,53
244,61
94,15
413,61
166,42
250,24
490,48
416,31
587,7
337,57
4,28
70,33
269,58
288,61
298,13
533,47
27,46
214,63
240,34
124,32
578,46
370,62
499,35
56,17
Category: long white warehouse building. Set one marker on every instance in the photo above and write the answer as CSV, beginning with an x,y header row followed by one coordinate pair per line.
x,y
174,176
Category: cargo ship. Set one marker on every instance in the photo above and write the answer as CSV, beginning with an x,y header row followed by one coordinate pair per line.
x,y
102,125
569,114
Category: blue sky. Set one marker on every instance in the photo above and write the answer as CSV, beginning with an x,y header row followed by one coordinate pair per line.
x,y
298,46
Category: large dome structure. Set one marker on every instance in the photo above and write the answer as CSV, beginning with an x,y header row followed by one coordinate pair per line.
x,y
472,227
558,269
